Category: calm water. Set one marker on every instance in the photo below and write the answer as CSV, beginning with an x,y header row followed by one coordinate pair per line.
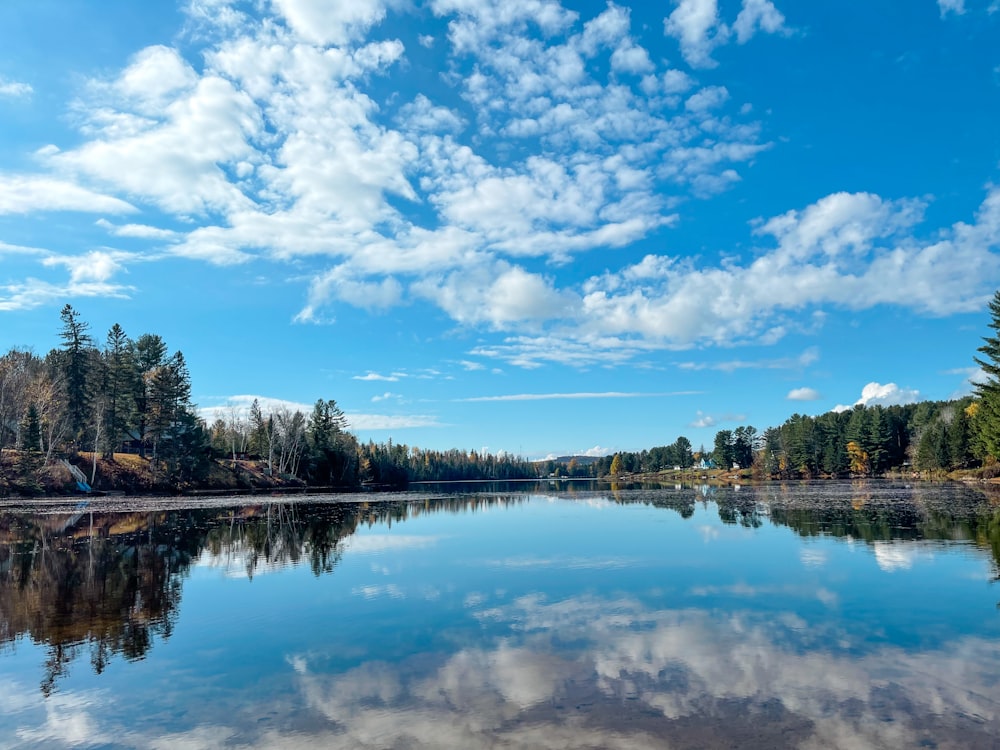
x,y
803,615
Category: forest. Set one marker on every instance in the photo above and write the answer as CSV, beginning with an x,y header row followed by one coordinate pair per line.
x,y
94,403
100,405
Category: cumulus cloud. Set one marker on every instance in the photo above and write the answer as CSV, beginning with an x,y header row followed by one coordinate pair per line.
x,y
326,22
499,296
698,28
758,15
696,25
96,266
803,394
876,394
14,89
273,147
560,134
703,420
951,6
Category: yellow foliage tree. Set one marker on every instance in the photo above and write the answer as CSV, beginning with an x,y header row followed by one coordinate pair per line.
x,y
616,465
858,456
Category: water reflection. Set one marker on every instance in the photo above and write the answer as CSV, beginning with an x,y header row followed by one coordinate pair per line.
x,y
110,583
639,675
618,647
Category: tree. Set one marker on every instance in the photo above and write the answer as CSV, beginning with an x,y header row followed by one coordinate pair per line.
x,y
75,362
745,443
987,417
616,465
31,430
332,452
724,453
120,375
148,353
858,456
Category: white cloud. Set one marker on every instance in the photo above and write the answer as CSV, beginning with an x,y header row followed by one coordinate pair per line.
x,y
500,296
140,231
876,394
383,422
808,357
385,397
273,147
96,266
241,405
951,6
32,292
326,22
377,377
696,25
276,145
563,396
758,15
707,98
342,284
803,394
8,249
703,420
20,194
176,160
698,28
971,377
14,89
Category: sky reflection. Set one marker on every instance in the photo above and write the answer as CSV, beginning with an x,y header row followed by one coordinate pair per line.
x,y
628,620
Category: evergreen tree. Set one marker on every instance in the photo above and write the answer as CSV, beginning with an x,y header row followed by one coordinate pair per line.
x,y
31,430
120,376
877,440
333,455
148,353
987,418
959,445
75,361
724,453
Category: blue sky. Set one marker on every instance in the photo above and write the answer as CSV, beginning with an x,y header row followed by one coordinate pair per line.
x,y
517,225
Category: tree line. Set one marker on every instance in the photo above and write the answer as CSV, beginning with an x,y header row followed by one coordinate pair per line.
x,y
930,436
134,395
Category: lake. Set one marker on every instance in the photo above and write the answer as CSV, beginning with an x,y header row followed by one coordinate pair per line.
x,y
548,615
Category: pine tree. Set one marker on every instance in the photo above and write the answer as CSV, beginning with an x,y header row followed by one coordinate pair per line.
x,y
987,420
147,353
120,374
31,430
75,362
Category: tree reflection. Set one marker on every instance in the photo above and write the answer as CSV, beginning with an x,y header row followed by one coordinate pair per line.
x,y
111,583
